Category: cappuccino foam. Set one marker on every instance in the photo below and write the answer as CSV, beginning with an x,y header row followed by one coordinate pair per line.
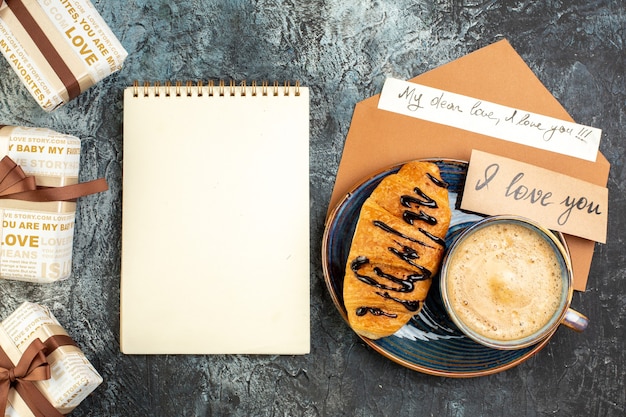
x,y
505,281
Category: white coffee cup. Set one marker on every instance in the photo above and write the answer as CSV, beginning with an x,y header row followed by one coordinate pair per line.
x,y
506,282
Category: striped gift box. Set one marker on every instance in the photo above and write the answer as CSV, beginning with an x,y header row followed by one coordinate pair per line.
x,y
59,48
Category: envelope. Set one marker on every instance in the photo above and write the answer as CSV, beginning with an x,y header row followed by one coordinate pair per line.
x,y
378,139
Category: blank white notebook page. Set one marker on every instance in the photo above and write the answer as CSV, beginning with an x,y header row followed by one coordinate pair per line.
x,y
215,221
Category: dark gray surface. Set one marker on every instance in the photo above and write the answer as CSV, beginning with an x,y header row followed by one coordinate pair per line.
x,y
342,50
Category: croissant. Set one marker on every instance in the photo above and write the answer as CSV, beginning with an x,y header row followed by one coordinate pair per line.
x,y
396,249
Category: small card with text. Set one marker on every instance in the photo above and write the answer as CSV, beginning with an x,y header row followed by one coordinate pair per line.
x,y
497,185
490,119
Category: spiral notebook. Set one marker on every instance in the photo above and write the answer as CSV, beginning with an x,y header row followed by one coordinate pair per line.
x,y
215,219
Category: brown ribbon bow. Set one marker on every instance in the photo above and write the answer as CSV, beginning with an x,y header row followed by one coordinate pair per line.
x,y
32,366
15,184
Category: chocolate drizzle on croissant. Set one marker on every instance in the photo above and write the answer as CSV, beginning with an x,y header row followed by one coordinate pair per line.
x,y
396,249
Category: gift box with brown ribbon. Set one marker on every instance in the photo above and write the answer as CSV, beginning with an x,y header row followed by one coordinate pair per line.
x,y
42,370
38,191
58,48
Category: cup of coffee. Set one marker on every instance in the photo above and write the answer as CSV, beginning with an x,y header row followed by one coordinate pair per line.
x,y
506,282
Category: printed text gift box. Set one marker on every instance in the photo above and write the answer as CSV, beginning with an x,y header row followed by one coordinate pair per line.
x,y
57,48
38,188
42,370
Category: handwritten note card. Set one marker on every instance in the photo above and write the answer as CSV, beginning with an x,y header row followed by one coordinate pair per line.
x,y
479,116
497,185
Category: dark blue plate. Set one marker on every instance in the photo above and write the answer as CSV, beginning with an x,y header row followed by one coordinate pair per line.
x,y
430,342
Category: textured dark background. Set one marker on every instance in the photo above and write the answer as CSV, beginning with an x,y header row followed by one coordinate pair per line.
x,y
342,50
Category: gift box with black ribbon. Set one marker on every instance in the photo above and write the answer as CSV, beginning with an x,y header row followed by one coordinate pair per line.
x,y
42,370
38,191
58,48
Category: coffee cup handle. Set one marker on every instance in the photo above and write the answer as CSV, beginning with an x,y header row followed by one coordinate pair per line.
x,y
575,321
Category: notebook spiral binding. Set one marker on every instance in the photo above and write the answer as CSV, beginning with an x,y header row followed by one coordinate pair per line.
x,y
189,88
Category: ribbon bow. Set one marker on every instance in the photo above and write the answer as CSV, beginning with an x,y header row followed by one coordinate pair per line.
x,y
32,366
13,179
14,183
